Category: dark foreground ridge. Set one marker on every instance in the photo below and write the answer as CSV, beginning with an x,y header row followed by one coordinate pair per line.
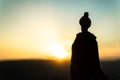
x,y
48,70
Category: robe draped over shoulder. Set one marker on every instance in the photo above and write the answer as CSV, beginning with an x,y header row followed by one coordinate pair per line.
x,y
85,57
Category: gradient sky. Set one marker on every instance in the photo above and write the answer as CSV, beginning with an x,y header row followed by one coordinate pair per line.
x,y
38,29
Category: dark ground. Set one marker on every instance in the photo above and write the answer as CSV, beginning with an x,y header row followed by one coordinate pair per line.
x,y
48,70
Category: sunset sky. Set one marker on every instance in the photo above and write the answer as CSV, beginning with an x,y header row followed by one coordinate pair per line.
x,y
46,29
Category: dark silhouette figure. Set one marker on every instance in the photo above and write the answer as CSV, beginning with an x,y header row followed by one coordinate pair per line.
x,y
85,64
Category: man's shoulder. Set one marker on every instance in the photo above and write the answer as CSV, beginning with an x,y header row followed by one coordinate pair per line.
x,y
86,35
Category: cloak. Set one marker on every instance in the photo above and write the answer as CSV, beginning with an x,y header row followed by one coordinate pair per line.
x,y
85,57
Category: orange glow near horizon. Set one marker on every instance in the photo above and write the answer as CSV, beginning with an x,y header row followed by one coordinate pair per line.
x,y
53,51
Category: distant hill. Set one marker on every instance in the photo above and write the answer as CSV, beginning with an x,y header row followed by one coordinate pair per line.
x,y
34,70
112,69
48,70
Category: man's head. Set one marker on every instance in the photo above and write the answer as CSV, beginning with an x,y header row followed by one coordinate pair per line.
x,y
85,22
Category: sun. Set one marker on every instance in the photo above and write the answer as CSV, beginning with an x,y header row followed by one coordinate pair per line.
x,y
58,51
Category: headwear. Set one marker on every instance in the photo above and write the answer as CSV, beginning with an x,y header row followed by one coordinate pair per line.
x,y
85,20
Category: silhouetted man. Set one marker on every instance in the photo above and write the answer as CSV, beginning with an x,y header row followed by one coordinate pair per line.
x,y
85,64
